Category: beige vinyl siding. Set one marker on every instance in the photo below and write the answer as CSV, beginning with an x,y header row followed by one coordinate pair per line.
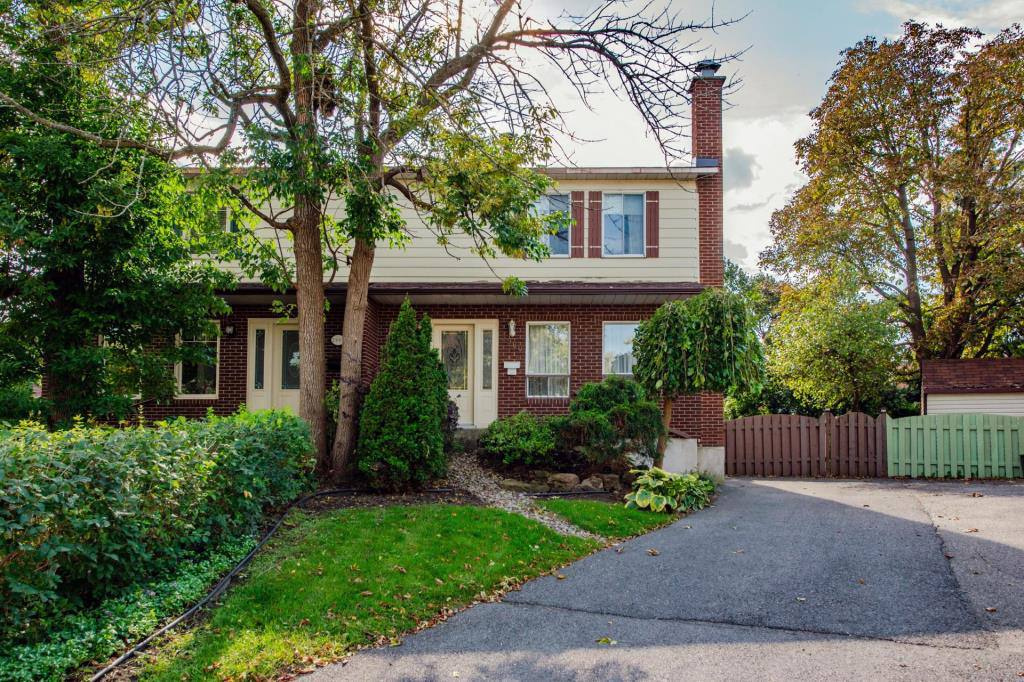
x,y
424,260
1011,404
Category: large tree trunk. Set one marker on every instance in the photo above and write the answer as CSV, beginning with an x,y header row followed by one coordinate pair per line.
x,y
309,286
309,264
666,422
351,355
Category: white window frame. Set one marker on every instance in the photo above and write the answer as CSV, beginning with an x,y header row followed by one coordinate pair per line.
x,y
567,375
216,374
603,325
568,229
643,226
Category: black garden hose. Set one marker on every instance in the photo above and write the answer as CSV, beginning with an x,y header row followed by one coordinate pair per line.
x,y
225,582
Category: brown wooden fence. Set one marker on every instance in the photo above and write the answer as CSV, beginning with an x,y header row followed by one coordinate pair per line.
x,y
850,445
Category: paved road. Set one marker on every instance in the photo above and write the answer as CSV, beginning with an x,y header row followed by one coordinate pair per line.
x,y
780,579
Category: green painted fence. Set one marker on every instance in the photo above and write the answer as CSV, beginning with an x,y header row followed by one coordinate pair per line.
x,y
955,446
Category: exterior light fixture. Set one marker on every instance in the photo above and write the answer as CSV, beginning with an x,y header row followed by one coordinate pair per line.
x,y
511,327
229,330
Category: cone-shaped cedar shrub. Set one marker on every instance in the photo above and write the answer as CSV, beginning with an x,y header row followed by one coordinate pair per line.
x,y
401,438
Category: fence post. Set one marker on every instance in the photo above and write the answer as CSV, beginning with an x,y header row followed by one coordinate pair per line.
x,y
825,443
881,455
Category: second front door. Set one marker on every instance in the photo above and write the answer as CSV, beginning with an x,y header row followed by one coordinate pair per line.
x,y
273,376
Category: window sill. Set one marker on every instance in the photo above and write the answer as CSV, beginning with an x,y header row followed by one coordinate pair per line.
x,y
623,255
186,396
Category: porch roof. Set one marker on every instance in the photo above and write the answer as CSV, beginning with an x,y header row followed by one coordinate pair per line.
x,y
490,293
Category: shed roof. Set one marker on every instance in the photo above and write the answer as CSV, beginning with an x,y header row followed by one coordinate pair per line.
x,y
986,375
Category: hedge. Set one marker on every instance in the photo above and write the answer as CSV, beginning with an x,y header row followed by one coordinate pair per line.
x,y
87,511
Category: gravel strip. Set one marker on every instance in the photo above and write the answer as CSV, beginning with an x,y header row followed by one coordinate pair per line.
x,y
465,472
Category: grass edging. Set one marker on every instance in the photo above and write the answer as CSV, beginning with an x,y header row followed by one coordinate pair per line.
x,y
607,519
335,583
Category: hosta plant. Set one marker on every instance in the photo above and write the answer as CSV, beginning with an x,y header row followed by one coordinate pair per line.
x,y
660,491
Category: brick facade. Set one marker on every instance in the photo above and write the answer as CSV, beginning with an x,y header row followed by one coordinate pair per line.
x,y
232,371
700,417
985,375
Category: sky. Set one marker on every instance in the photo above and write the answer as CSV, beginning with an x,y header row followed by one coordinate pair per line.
x,y
790,48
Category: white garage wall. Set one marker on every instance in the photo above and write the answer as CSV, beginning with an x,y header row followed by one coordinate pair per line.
x,y
1011,404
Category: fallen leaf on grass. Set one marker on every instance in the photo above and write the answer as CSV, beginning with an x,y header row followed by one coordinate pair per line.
x,y
400,569
366,593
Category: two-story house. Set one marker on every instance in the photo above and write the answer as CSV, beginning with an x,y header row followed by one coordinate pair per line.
x,y
638,237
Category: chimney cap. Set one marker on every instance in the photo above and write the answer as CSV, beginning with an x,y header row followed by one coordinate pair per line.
x,y
707,68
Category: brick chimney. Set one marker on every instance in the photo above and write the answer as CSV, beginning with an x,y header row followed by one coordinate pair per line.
x,y
706,139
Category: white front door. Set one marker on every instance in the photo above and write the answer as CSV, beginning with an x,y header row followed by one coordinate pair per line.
x,y
469,351
273,376
455,343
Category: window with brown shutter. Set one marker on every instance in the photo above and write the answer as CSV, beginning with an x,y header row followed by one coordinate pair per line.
x,y
653,212
576,230
594,223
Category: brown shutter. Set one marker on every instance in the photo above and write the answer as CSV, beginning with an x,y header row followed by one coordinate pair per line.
x,y
576,229
594,223
652,227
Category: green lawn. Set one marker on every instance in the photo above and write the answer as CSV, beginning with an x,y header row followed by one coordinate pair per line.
x,y
357,576
612,520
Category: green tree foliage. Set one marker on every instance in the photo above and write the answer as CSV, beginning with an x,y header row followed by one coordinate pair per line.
x,y
93,269
915,169
834,348
703,343
401,427
762,292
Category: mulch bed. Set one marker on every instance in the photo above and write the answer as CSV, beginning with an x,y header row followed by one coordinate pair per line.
x,y
369,499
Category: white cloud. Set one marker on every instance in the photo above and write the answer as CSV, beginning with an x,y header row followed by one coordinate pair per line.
x,y
768,142
988,16
741,169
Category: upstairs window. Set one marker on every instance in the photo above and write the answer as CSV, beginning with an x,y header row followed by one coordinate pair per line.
x,y
617,347
623,225
557,243
547,359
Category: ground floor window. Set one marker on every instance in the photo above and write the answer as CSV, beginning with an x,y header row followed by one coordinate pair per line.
x,y
197,377
617,347
547,359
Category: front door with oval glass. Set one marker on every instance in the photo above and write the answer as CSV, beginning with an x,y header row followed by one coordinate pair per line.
x,y
456,346
469,352
273,376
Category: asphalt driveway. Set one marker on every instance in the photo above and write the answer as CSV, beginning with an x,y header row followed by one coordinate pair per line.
x,y
781,578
